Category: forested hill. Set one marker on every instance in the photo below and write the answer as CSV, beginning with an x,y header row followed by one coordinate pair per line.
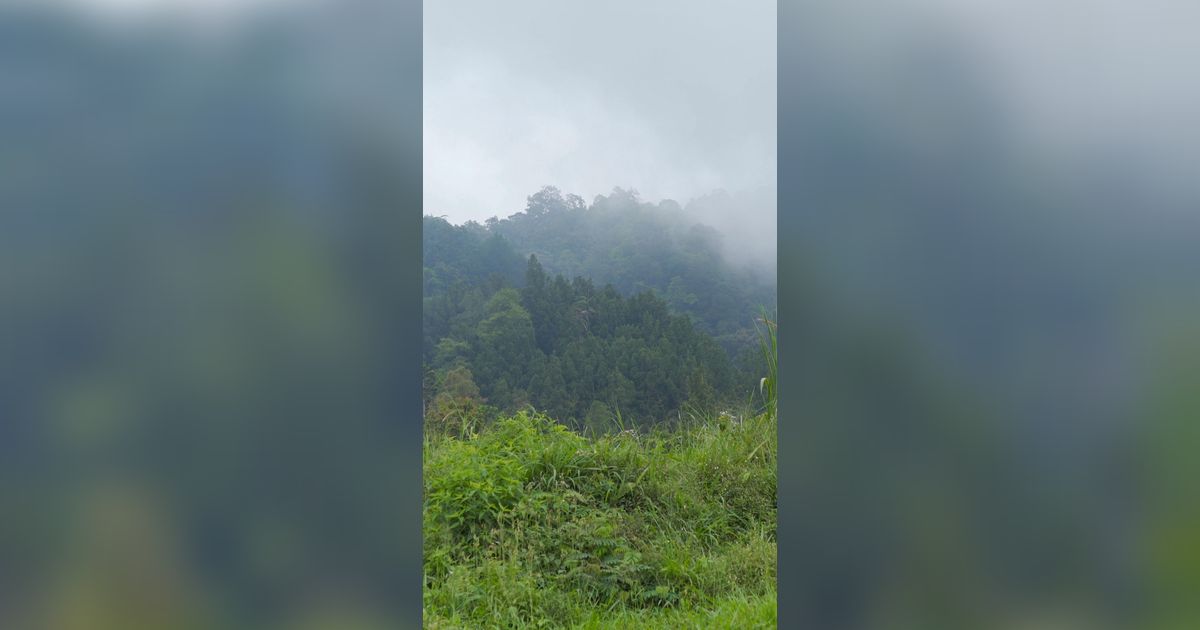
x,y
617,240
584,311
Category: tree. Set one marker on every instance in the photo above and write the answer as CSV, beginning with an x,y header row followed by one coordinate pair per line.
x,y
458,383
548,199
505,341
549,390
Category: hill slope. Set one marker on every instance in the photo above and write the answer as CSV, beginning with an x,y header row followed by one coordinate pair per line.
x,y
672,327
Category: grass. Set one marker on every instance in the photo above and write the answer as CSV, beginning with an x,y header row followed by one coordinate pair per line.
x,y
768,345
530,525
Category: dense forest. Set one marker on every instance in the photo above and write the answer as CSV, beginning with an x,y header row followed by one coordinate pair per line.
x,y
589,313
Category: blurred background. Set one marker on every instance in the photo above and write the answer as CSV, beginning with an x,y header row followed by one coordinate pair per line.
x,y
209,372
209,328
989,289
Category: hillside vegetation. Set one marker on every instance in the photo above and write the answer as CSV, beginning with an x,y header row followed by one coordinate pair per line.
x,y
530,524
596,455
670,328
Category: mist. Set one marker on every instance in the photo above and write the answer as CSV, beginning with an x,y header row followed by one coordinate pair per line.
x,y
657,97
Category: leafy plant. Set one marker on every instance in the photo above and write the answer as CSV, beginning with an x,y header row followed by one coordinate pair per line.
x,y
768,344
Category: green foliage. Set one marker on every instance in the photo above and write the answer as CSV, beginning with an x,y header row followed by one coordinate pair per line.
x,y
569,348
654,317
613,517
769,350
465,254
637,246
530,524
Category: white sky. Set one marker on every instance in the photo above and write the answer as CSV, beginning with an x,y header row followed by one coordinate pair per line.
x,y
672,98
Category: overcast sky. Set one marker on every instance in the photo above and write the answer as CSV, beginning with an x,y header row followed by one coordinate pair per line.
x,y
670,97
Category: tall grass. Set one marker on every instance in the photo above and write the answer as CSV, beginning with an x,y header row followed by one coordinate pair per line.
x,y
528,524
768,344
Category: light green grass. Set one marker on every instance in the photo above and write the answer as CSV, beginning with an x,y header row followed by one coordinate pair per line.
x,y
530,525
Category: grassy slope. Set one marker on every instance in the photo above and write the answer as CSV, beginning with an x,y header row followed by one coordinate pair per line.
x,y
528,524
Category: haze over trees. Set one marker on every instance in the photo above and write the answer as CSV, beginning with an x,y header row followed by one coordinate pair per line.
x,y
587,312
